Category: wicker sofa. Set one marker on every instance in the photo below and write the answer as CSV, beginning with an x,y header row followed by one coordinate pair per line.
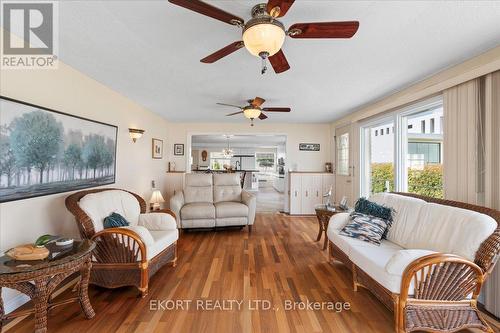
x,y
125,256
432,265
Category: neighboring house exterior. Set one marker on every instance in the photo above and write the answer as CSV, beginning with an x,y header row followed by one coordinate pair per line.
x,y
425,140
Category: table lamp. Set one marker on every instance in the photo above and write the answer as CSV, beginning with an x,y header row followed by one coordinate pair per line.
x,y
156,199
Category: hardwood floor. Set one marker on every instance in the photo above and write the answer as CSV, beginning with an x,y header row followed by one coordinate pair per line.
x,y
278,262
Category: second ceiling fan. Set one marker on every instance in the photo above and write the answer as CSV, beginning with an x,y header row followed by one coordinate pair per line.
x,y
264,35
254,110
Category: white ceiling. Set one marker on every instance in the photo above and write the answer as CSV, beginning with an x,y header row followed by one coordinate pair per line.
x,y
150,50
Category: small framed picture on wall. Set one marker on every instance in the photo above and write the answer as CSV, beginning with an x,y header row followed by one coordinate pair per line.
x,y
179,149
157,149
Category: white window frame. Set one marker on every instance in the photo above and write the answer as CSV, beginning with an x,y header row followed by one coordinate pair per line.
x,y
400,119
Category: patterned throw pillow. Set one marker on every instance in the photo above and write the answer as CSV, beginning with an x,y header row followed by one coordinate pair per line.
x,y
368,207
365,227
115,220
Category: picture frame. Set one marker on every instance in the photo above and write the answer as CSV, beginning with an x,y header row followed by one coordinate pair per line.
x,y
157,148
309,146
179,149
46,151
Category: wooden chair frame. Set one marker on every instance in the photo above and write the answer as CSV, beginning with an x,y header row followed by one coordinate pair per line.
x,y
485,259
120,256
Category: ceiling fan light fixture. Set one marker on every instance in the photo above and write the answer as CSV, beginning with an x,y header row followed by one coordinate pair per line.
x,y
251,113
264,35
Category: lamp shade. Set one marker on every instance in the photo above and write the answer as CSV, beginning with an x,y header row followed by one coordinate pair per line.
x,y
251,113
264,37
156,197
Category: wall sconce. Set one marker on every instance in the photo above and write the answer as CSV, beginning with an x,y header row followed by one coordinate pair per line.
x,y
135,133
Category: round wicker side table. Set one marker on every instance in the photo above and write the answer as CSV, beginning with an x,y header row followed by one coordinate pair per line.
x,y
323,214
38,279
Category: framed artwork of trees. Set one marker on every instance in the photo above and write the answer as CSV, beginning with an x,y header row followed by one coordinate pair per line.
x,y
43,151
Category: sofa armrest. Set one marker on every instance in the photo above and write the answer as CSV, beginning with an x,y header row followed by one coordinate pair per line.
x,y
251,201
121,245
158,221
441,277
176,203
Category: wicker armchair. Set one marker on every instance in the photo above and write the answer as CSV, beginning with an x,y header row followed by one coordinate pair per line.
x,y
121,255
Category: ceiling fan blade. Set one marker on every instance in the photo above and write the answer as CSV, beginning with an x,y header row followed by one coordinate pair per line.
x,y
257,101
234,113
277,109
279,62
262,116
222,52
278,8
232,105
209,10
324,29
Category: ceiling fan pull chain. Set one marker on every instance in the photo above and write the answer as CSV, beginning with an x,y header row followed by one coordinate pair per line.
x,y
264,66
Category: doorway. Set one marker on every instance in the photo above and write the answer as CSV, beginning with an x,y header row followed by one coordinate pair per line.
x,y
259,159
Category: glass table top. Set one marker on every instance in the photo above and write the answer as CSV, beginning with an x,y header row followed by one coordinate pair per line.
x,y
57,255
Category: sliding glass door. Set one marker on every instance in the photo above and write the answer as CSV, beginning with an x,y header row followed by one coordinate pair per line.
x,y
403,151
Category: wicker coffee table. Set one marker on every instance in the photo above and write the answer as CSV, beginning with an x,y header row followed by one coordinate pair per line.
x,y
323,214
38,279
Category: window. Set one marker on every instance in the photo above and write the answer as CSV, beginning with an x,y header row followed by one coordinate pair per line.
x,y
379,160
376,132
382,131
408,160
343,155
265,162
218,160
424,169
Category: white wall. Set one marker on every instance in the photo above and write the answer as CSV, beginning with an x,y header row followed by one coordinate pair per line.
x,y
68,90
296,133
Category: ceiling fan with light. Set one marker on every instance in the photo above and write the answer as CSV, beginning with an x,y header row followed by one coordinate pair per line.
x,y
264,35
254,110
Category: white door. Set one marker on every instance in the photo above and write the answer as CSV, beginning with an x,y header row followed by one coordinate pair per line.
x,y
343,164
295,193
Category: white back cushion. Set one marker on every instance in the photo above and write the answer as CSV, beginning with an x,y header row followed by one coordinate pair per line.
x,y
198,188
227,187
451,230
100,205
405,216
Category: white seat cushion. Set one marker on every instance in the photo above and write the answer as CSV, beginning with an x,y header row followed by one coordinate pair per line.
x,y
401,259
197,211
372,259
405,216
230,209
451,230
162,240
100,205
